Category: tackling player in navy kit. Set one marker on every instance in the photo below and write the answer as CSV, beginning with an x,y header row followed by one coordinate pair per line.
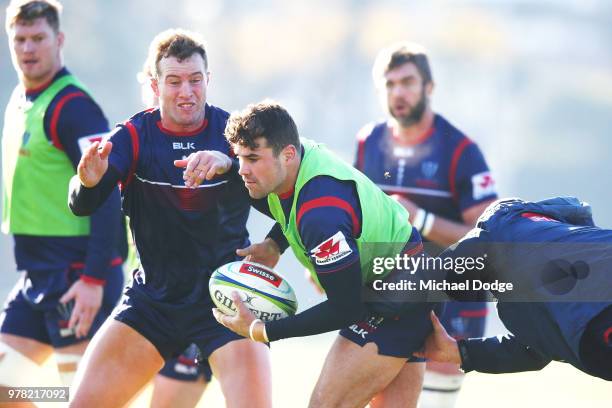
x,y
181,236
72,275
331,214
437,173
560,307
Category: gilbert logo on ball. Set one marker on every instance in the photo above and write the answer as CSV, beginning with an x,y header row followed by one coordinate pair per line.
x,y
266,293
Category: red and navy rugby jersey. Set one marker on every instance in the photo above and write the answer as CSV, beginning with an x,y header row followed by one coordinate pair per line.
x,y
181,234
444,173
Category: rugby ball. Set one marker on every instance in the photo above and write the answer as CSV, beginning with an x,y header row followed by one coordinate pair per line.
x,y
266,293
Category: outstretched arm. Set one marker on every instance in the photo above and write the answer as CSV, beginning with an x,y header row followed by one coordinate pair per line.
x,y
495,355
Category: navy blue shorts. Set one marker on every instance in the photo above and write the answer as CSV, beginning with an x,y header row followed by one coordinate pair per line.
x,y
399,321
397,336
188,366
33,310
464,320
172,327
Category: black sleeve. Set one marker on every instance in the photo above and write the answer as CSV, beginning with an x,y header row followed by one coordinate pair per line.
x,y
502,354
342,307
85,201
276,233
261,205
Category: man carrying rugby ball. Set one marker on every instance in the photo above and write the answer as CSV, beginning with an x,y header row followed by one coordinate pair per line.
x,y
331,215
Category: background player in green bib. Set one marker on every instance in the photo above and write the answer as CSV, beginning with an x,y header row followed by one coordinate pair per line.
x,y
331,215
71,267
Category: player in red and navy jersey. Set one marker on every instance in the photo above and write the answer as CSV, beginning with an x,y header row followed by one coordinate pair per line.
x,y
181,236
72,268
437,173
183,379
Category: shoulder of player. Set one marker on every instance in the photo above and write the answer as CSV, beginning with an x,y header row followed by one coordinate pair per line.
x,y
327,191
370,130
139,120
216,112
328,196
73,99
447,130
216,118
323,186
455,140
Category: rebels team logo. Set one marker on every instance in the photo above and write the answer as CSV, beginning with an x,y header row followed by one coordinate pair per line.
x,y
483,185
331,250
266,275
429,169
86,141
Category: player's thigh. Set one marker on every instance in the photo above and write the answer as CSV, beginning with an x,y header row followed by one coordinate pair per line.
x,y
33,349
173,393
353,374
243,370
404,390
118,362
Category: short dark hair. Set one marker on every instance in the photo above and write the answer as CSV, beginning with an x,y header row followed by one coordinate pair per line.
x,y
177,43
27,11
265,119
399,54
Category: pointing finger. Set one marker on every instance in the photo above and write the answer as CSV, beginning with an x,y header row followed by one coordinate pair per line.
x,y
181,163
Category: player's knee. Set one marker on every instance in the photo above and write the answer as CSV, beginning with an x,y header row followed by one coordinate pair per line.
x,y
67,365
17,370
328,397
440,390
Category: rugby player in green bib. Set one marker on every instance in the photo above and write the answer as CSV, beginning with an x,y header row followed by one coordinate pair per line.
x,y
336,222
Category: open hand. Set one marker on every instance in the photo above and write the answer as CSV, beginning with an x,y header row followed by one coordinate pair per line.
x,y
266,253
94,163
87,301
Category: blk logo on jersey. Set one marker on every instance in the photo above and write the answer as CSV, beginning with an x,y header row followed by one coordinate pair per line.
x,y
483,185
183,146
331,250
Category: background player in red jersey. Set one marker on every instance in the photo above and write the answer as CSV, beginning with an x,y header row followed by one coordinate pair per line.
x,y
437,174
